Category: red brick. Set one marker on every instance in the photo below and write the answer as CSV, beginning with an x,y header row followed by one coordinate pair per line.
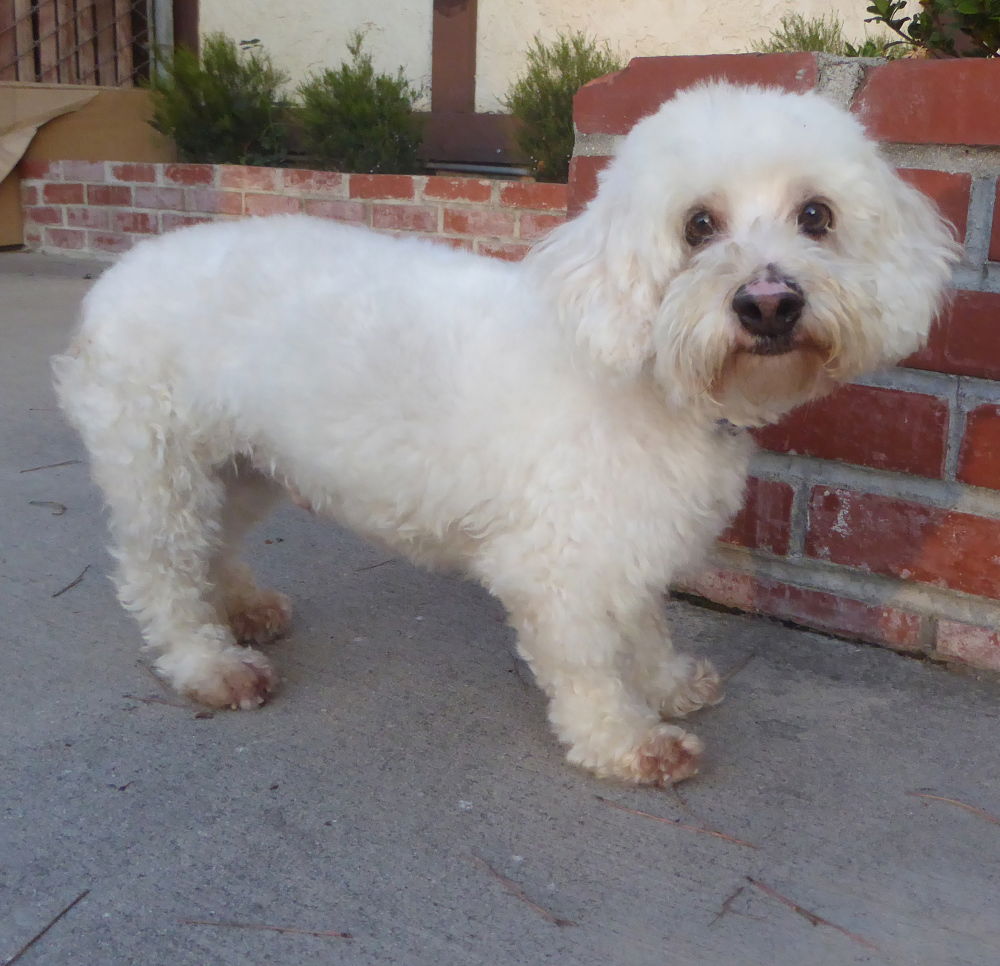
x,y
190,174
950,192
966,341
457,189
91,172
895,628
884,428
119,195
536,195
978,646
134,222
459,244
65,238
85,217
878,624
583,172
162,199
143,173
381,186
212,201
841,615
405,217
907,540
29,169
931,102
535,226
29,195
396,233
314,182
507,251
43,216
730,588
352,212
169,220
32,238
612,104
108,242
255,204
479,221
979,457
246,176
765,520
63,194
994,255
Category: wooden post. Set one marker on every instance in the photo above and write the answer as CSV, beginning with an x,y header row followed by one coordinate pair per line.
x,y
24,41
48,48
453,56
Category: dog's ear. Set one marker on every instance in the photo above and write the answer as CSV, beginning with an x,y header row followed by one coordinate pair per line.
x,y
916,249
606,271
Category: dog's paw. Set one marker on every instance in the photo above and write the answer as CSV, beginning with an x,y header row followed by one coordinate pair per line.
x,y
261,619
234,677
667,755
700,688
660,754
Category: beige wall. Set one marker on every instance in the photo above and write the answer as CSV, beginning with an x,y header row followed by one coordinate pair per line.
x,y
634,28
311,35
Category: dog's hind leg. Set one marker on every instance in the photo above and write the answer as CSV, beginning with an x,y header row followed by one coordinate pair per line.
x,y
255,614
165,503
576,649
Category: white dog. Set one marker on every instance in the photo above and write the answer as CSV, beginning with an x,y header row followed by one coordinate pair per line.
x,y
568,430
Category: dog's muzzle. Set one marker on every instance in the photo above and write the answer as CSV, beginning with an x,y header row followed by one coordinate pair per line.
x,y
769,308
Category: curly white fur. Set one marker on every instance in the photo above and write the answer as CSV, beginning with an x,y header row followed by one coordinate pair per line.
x,y
551,428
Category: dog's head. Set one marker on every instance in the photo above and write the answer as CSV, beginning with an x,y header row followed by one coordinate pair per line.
x,y
749,248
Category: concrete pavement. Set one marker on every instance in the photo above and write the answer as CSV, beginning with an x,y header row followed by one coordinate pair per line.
x,y
403,786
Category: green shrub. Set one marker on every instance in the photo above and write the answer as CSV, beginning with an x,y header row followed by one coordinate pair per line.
x,y
542,98
224,108
951,28
354,119
821,34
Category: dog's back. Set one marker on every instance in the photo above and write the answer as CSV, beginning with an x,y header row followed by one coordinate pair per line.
x,y
333,358
267,317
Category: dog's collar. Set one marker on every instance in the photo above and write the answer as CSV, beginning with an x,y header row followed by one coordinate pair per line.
x,y
725,427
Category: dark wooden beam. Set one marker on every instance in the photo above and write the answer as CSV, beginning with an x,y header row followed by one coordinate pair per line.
x,y
453,56
186,24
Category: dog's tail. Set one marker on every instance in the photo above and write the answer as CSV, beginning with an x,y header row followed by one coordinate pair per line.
x,y
68,374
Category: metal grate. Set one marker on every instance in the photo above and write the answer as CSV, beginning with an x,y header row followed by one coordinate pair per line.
x,y
104,42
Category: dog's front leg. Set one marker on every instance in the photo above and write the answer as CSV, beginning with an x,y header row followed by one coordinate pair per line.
x,y
672,684
576,648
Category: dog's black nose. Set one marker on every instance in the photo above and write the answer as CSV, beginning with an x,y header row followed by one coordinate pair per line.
x,y
768,307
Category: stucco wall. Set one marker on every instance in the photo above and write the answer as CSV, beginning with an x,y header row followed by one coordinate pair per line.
x,y
639,28
310,35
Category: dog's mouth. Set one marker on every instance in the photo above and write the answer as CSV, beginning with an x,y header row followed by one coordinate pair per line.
x,y
776,345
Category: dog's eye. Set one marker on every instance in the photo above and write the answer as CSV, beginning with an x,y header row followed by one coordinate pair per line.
x,y
815,219
699,228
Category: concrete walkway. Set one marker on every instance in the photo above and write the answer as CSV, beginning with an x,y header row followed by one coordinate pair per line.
x,y
404,788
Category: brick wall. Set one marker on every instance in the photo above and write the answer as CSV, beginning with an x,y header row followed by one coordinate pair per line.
x,y
103,208
874,513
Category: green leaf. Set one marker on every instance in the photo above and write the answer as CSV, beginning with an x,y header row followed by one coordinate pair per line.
x,y
541,98
224,107
354,119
